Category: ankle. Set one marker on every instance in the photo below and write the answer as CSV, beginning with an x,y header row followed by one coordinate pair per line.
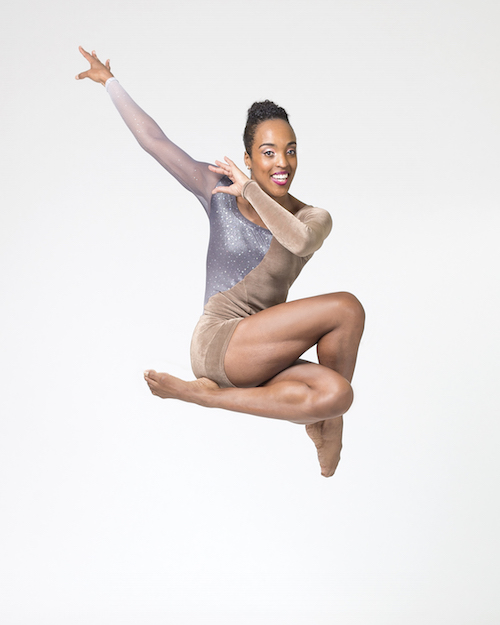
x,y
202,392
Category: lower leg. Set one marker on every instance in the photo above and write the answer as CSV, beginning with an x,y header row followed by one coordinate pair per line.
x,y
338,351
275,401
302,394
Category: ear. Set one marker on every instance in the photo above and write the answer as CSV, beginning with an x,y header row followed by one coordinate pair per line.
x,y
248,160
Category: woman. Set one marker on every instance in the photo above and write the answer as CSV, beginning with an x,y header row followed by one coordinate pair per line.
x,y
247,345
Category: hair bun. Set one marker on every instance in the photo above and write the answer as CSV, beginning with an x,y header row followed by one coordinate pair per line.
x,y
260,112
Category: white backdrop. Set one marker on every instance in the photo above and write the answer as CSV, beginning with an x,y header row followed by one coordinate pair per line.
x,y
117,507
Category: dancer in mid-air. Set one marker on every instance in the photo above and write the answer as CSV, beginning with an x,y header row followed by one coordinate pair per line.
x,y
246,348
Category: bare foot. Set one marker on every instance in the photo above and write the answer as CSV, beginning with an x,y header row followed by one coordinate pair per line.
x,y
167,386
327,436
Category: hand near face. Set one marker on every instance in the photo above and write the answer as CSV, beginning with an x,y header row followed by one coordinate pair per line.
x,y
98,72
230,170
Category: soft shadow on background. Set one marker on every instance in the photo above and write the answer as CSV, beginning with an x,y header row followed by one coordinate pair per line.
x,y
117,507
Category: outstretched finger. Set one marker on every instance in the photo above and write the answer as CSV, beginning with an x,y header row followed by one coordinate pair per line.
x,y
85,54
220,168
216,170
82,75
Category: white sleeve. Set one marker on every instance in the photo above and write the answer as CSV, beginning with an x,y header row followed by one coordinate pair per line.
x,y
193,175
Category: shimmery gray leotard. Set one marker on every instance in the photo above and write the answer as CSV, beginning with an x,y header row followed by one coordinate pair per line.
x,y
236,245
249,268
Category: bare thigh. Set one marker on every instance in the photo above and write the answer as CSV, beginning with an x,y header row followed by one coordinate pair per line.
x,y
272,340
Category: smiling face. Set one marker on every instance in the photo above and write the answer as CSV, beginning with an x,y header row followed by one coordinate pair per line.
x,y
273,158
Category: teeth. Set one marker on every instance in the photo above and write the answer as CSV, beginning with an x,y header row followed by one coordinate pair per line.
x,y
280,176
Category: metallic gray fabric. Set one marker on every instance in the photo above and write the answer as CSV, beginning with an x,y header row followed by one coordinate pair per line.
x,y
236,244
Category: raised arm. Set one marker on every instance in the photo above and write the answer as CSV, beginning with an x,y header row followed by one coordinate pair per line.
x,y
193,175
302,233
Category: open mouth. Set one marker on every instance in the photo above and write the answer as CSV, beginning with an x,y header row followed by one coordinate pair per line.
x,y
280,178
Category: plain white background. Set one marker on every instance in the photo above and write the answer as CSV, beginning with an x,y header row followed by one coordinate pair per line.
x,y
117,507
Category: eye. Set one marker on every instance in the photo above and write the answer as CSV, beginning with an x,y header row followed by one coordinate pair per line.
x,y
268,153
292,151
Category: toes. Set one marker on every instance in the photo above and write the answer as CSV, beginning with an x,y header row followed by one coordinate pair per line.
x,y
152,383
328,469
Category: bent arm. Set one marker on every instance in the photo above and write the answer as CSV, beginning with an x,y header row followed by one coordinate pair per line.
x,y
193,175
302,234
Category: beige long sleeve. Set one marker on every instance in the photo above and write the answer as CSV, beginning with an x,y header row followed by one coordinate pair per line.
x,y
302,233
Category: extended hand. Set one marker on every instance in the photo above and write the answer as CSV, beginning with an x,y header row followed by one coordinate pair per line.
x,y
98,72
230,170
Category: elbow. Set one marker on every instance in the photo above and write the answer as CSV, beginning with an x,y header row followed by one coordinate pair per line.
x,y
150,139
147,143
305,248
310,239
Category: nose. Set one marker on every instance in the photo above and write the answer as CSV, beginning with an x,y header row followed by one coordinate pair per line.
x,y
282,160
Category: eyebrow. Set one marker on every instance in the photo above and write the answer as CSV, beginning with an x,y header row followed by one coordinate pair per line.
x,y
273,145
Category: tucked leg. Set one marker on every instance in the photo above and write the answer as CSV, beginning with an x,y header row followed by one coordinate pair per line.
x,y
260,361
268,342
304,393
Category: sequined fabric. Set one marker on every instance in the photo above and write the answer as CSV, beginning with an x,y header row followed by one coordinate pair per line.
x,y
236,244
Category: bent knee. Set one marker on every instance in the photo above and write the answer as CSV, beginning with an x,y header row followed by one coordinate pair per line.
x,y
342,398
352,309
334,401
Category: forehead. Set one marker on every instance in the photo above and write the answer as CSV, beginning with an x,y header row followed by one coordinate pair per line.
x,y
276,131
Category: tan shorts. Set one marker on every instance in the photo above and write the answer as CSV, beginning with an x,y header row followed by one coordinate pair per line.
x,y
211,337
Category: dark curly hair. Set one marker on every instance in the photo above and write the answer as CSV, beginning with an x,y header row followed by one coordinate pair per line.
x,y
260,112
